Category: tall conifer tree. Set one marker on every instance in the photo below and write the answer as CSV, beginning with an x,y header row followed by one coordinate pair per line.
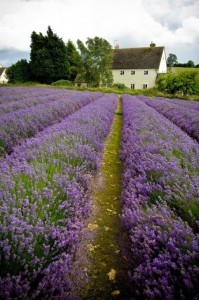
x,y
48,57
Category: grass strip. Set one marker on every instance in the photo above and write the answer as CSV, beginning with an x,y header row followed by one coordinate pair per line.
x,y
106,274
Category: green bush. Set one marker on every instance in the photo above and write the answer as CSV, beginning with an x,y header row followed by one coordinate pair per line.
x,y
62,82
186,83
120,86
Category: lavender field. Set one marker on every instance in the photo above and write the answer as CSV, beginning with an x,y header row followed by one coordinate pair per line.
x,y
160,204
51,146
184,114
34,111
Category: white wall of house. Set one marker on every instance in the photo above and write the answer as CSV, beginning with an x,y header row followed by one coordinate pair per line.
x,y
163,64
139,78
3,78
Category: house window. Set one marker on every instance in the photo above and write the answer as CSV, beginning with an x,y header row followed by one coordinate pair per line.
x,y
132,86
146,72
144,86
121,72
132,72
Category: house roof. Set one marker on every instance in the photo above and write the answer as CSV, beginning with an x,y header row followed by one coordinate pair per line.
x,y
137,58
1,71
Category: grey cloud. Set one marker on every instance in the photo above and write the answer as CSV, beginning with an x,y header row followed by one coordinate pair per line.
x,y
189,2
127,41
34,0
11,56
171,13
169,22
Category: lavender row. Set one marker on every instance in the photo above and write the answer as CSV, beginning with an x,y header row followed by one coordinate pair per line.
x,y
17,126
171,163
190,104
44,202
159,198
14,94
10,94
21,100
176,102
184,116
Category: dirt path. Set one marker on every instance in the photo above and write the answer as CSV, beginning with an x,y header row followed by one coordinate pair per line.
x,y
105,274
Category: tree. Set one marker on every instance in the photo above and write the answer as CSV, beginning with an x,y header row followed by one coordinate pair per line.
x,y
190,64
96,61
48,57
74,59
172,60
19,72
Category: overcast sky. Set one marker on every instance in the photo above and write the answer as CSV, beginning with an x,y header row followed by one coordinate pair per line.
x,y
132,23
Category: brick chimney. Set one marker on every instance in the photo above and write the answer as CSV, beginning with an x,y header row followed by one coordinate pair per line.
x,y
152,44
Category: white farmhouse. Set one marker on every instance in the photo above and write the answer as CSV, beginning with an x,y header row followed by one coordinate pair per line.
x,y
3,78
138,68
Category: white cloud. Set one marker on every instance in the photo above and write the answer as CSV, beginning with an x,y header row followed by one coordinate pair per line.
x,y
133,23
189,31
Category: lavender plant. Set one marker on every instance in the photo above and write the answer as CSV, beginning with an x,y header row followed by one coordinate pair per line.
x,y
22,98
15,94
160,204
19,125
190,104
44,202
184,114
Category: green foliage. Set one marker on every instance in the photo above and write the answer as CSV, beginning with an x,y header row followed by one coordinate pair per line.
x,y
171,60
96,62
48,57
62,82
190,64
19,72
120,86
186,83
74,59
183,69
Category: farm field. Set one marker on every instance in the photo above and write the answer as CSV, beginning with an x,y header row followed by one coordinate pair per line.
x,y
185,114
35,110
181,69
116,181
159,199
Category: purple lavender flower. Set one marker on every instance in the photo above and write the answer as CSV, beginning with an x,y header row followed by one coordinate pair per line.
x,y
27,121
44,202
160,204
184,114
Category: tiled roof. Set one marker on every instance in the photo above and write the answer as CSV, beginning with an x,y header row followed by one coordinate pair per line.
x,y
137,58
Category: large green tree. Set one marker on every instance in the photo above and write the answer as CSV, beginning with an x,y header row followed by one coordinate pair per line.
x,y
172,60
74,59
96,61
48,57
19,72
190,64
